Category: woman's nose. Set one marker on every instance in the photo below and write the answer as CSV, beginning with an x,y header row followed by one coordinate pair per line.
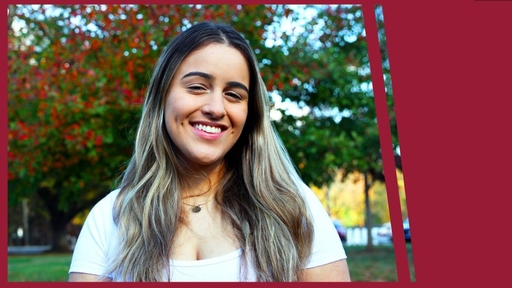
x,y
214,105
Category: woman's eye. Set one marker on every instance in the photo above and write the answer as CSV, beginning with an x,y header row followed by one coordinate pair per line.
x,y
196,88
234,95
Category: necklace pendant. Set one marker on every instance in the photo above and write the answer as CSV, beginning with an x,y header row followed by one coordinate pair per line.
x,y
196,209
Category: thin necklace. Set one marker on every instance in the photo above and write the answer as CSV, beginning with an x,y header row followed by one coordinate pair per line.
x,y
200,194
197,208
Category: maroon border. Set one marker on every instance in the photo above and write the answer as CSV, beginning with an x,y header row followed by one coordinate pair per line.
x,y
3,145
451,67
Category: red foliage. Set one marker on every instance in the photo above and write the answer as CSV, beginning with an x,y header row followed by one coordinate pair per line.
x,y
72,88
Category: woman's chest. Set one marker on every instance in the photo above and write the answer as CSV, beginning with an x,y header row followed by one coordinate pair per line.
x,y
203,238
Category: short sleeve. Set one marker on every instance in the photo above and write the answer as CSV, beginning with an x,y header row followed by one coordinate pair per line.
x,y
96,239
327,246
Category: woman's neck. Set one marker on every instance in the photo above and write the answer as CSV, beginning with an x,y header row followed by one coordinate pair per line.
x,y
200,182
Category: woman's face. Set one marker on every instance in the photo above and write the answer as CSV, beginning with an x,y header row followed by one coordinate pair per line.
x,y
207,104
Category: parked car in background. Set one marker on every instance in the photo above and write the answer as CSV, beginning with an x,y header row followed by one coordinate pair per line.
x,y
407,230
342,230
385,231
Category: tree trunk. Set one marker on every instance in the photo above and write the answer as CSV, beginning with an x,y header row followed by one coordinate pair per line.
x,y
26,228
368,221
58,219
60,236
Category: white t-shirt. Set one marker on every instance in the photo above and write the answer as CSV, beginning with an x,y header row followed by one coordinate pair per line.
x,y
97,244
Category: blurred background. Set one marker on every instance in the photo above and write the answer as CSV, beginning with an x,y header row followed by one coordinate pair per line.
x,y
77,77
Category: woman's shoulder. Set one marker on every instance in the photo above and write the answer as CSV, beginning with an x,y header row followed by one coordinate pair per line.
x,y
100,220
106,203
111,196
305,191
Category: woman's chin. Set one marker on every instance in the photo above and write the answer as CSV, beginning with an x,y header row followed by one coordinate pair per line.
x,y
207,161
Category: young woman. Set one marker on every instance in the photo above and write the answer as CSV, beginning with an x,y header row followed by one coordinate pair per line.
x,y
210,193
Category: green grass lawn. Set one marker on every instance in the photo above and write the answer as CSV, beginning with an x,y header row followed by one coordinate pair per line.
x,y
375,266
47,267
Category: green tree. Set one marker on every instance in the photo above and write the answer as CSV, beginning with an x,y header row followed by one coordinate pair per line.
x,y
329,76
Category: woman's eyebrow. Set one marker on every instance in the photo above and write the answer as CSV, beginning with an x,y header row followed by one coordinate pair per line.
x,y
200,74
238,85
207,76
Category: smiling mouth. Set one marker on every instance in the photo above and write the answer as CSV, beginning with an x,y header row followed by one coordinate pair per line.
x,y
208,129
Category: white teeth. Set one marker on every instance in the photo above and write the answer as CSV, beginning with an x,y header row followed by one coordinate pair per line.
x,y
209,129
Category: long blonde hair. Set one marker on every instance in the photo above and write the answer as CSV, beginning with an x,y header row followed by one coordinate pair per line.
x,y
260,194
